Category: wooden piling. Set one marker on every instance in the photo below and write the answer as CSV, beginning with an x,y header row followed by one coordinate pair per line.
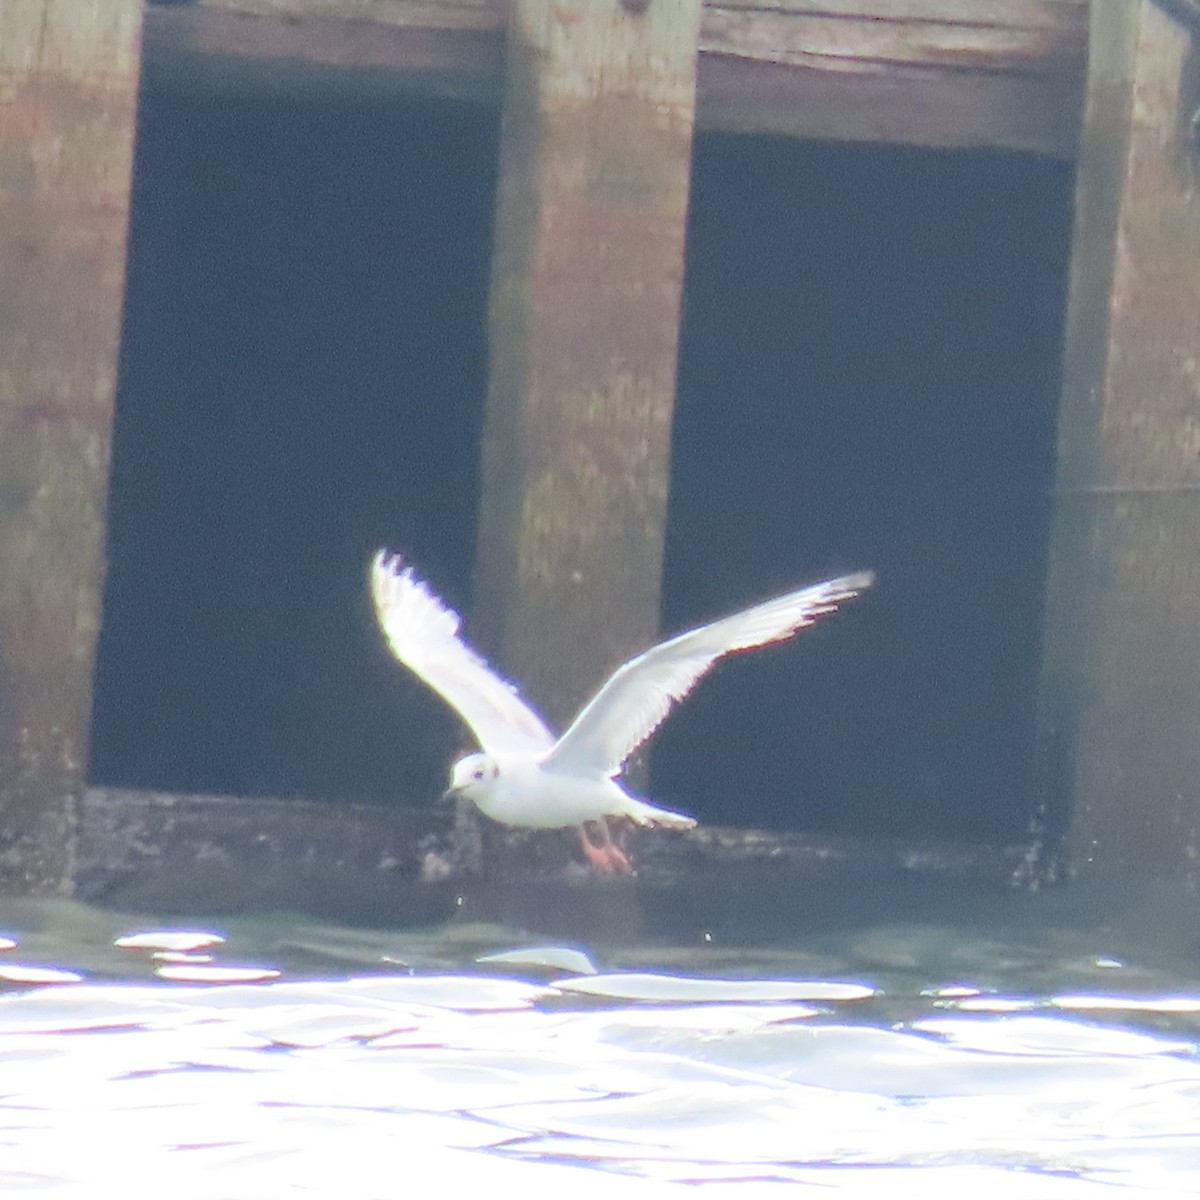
x,y
68,90
1119,751
587,272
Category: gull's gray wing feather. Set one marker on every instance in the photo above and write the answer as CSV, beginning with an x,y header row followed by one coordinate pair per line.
x,y
639,695
423,635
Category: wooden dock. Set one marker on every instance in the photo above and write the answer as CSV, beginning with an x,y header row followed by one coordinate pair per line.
x,y
600,101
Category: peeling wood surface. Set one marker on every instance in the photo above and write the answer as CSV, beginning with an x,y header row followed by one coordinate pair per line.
x,y
1003,73
1120,703
488,15
865,37
68,88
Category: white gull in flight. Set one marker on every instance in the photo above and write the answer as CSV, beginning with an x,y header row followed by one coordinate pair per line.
x,y
524,775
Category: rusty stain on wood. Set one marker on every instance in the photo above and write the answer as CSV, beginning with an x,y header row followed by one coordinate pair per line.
x,y
587,275
68,87
1120,703
1004,73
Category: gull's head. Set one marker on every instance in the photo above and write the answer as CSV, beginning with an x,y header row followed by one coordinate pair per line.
x,y
472,776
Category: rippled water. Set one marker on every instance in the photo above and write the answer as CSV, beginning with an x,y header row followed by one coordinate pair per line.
x,y
918,1058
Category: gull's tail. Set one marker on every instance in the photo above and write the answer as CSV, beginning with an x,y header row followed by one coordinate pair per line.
x,y
641,813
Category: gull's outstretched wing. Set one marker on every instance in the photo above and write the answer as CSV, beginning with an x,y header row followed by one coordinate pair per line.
x,y
423,635
638,696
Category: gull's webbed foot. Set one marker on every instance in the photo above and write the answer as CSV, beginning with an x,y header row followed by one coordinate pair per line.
x,y
605,855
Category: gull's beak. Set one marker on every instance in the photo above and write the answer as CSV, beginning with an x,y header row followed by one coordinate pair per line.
x,y
450,795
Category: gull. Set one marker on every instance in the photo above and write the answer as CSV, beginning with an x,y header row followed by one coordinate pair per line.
x,y
523,775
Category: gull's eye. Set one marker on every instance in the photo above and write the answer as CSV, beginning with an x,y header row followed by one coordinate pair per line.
x,y
477,774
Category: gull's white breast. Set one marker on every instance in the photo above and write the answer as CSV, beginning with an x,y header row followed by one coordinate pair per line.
x,y
527,793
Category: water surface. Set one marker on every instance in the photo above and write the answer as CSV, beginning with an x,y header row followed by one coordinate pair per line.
x,y
359,1063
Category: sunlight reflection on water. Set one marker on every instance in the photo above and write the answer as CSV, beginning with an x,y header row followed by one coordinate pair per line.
x,y
512,1074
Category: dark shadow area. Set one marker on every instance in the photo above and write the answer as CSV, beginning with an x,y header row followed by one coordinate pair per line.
x,y
302,368
868,377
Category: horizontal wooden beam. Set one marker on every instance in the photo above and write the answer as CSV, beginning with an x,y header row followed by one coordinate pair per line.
x,y
948,73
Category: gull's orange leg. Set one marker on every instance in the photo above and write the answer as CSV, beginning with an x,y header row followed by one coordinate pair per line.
x,y
607,857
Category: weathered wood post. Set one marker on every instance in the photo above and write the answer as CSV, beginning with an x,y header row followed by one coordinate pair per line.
x,y
68,91
1120,700
587,273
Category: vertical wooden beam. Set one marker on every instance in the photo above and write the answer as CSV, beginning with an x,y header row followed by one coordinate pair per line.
x,y
68,90
1120,701
587,274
